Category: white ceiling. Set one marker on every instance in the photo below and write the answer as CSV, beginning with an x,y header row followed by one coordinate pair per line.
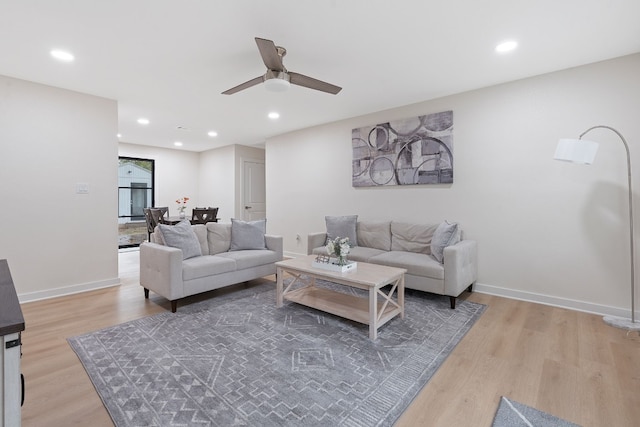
x,y
169,60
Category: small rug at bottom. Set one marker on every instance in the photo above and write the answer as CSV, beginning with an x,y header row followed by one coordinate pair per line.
x,y
513,414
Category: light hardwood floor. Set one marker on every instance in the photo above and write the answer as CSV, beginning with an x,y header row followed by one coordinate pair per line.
x,y
567,363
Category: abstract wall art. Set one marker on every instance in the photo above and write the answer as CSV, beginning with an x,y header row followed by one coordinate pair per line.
x,y
418,150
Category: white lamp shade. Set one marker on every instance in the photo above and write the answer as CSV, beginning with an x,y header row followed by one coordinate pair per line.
x,y
276,85
576,151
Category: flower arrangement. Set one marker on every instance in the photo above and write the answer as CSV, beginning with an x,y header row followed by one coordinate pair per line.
x,y
340,247
182,204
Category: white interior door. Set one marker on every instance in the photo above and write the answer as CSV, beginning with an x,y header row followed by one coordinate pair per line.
x,y
254,192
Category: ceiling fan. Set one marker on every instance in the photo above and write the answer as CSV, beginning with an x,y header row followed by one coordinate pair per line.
x,y
277,78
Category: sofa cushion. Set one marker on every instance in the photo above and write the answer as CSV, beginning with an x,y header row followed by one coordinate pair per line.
x,y
342,226
374,234
363,254
218,237
201,233
247,234
412,237
358,253
415,263
181,236
156,237
206,265
251,257
445,235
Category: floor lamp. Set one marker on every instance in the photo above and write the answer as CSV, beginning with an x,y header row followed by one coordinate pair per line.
x,y
584,152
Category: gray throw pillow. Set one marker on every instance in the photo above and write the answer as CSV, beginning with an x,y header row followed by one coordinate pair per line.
x,y
247,234
181,236
445,235
342,226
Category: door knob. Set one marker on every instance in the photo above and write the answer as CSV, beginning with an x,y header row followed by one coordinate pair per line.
x,y
247,207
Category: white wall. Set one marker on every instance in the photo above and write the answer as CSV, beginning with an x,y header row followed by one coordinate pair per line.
x,y
547,231
216,176
57,241
176,174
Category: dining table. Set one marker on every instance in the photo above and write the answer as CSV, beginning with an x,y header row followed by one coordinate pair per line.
x,y
173,220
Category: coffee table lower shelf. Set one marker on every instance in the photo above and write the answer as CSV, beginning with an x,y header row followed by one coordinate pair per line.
x,y
340,304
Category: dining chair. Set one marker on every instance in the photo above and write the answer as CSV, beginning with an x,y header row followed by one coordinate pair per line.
x,y
158,215
163,209
204,215
150,222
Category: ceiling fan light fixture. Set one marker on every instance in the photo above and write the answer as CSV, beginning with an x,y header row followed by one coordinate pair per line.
x,y
277,84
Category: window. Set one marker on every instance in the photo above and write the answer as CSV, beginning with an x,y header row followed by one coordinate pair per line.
x,y
135,192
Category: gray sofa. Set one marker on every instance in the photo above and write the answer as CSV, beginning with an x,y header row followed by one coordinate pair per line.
x,y
218,261
436,258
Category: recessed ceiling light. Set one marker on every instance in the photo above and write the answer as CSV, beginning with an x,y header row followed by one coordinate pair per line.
x,y
62,55
178,144
143,121
119,135
273,115
506,46
212,133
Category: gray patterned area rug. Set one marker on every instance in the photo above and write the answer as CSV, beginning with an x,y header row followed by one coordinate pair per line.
x,y
513,414
237,360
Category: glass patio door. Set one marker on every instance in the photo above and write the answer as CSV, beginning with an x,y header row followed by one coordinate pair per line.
x,y
136,179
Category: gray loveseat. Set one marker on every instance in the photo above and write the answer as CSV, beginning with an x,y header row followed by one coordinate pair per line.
x,y
436,258
213,260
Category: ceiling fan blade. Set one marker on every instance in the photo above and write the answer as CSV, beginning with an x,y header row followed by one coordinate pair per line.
x,y
311,83
269,54
244,86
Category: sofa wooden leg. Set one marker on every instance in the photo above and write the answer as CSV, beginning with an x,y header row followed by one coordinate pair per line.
x,y
174,306
470,288
452,300
146,293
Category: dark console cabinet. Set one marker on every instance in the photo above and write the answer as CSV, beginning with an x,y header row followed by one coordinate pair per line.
x,y
11,327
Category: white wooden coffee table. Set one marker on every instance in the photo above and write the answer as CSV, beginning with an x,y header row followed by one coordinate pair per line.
x,y
372,311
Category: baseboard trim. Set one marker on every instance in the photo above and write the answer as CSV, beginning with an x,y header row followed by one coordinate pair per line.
x,y
67,290
287,254
570,304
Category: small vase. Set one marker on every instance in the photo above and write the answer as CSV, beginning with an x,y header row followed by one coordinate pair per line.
x,y
342,260
181,214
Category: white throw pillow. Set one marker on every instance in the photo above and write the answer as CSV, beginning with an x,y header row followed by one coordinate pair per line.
x,y
445,235
181,236
247,234
342,226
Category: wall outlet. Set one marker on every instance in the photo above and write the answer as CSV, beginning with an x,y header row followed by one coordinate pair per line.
x,y
82,188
